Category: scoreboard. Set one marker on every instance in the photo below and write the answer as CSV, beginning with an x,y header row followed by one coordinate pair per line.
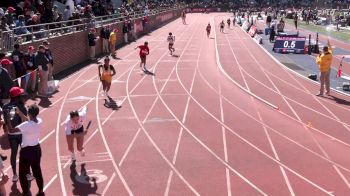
x,y
286,44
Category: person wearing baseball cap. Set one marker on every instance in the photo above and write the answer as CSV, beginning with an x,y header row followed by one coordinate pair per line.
x,y
48,55
15,139
42,62
31,68
92,38
10,16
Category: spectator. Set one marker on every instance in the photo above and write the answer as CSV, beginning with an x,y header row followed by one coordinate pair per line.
x,y
6,82
34,21
12,119
92,38
30,154
67,14
17,57
55,13
105,33
49,56
31,68
10,16
42,62
20,26
3,25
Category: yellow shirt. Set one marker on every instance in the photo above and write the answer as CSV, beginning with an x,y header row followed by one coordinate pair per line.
x,y
113,38
325,60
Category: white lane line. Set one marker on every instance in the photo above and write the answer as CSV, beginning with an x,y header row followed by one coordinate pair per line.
x,y
108,184
104,139
149,137
296,114
286,179
50,182
183,121
129,147
63,188
64,97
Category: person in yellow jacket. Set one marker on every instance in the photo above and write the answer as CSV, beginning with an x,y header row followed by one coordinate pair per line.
x,y
113,41
324,60
106,72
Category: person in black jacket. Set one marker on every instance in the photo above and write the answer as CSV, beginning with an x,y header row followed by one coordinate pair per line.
x,y
125,32
48,55
42,62
31,68
105,32
92,38
6,82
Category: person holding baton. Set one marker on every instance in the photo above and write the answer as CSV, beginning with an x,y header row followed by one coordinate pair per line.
x,y
75,130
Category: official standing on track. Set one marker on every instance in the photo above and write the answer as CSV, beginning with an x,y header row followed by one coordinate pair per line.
x,y
30,154
105,33
113,42
296,20
92,38
75,129
324,60
42,62
49,56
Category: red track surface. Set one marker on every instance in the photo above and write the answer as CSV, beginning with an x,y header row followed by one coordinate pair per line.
x,y
198,127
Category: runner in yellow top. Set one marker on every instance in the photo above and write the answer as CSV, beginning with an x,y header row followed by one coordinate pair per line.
x,y
106,72
113,41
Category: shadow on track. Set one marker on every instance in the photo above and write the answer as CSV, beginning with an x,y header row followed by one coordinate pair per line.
x,y
82,184
112,104
338,100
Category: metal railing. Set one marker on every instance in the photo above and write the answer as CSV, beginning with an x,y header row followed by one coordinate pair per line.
x,y
44,31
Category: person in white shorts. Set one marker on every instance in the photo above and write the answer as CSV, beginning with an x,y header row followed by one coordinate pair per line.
x,y
75,129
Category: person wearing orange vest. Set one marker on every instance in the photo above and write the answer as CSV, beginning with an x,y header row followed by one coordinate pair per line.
x,y
324,60
113,41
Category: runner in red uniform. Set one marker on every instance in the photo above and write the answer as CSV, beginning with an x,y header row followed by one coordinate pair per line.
x,y
144,51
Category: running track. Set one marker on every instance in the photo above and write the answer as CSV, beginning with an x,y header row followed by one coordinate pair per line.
x,y
223,118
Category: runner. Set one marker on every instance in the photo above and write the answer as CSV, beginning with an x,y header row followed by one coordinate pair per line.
x,y
171,40
75,129
229,23
106,72
144,51
183,16
234,21
208,29
222,26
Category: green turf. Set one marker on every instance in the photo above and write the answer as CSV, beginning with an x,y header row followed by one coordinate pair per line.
x,y
343,35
